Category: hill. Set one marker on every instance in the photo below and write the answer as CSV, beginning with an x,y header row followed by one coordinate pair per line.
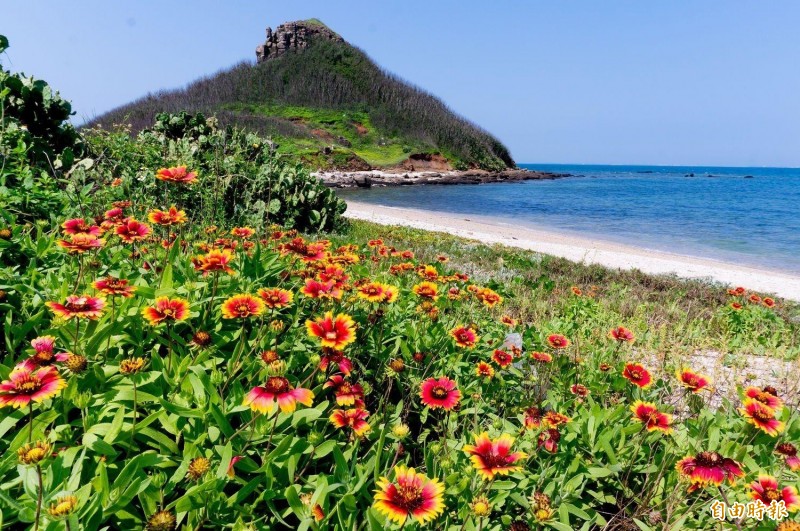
x,y
326,102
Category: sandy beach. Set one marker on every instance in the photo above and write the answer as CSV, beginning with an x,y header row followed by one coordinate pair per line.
x,y
578,249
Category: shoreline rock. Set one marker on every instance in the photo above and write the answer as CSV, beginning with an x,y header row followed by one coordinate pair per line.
x,y
368,179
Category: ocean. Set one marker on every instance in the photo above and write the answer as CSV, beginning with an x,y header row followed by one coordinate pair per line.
x,y
746,216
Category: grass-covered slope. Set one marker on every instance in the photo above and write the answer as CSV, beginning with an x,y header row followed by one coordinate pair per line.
x,y
333,106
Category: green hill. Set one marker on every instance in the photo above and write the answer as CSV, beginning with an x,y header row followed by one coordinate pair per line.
x,y
324,101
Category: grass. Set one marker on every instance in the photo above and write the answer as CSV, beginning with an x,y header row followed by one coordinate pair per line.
x,y
667,312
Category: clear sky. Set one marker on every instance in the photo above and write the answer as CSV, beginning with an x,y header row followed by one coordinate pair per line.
x,y
713,82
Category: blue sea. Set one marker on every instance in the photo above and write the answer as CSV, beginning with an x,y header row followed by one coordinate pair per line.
x,y
747,216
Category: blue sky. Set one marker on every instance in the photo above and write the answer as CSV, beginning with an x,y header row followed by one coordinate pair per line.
x,y
618,82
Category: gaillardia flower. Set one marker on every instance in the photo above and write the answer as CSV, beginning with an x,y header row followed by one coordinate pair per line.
x,y
165,218
502,358
557,341
114,287
709,469
321,290
693,381
26,385
79,226
465,337
621,334
177,174
652,419
766,491
494,457
484,370
276,297
439,393
63,506
426,290
637,375
79,307
542,357
277,390
242,306
789,452
213,261
335,333
80,243
767,396
371,292
166,310
347,394
410,495
355,418
337,357
130,230
761,416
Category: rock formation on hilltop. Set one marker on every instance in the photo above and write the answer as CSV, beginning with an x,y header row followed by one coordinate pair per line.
x,y
293,36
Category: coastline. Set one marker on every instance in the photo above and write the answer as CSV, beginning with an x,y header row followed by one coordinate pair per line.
x,y
579,249
402,177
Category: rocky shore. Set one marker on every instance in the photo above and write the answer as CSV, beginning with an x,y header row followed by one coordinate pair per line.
x,y
367,179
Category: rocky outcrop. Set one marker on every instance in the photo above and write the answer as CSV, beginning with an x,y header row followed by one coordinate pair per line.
x,y
368,179
293,36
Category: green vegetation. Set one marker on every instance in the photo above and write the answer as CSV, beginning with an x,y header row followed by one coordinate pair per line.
x,y
352,115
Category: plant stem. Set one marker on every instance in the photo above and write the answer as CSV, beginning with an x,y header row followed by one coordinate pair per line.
x,y
30,422
133,425
38,498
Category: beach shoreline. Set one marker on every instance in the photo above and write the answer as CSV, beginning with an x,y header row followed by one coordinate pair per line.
x,y
580,249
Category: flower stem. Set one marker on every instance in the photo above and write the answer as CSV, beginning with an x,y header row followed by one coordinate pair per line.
x,y
30,422
38,499
133,425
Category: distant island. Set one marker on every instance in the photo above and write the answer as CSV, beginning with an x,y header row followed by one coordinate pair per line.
x,y
326,103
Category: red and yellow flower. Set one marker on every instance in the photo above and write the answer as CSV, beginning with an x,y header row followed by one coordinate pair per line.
x,y
767,396
276,297
637,375
557,341
426,290
440,393
79,307
532,418
242,232
410,495
371,292
79,226
277,390
80,243
242,306
177,174
465,337
214,260
321,290
542,357
335,357
502,358
333,332
621,334
347,394
489,297
26,385
494,457
354,418
708,469
652,419
789,452
166,218
693,381
766,490
554,419
130,230
762,417
484,370
166,310
114,286
548,439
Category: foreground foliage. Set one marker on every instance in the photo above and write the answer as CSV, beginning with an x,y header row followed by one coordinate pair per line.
x,y
161,372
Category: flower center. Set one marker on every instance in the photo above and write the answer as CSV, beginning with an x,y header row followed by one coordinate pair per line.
x,y
772,495
28,385
439,392
243,309
277,385
636,374
79,305
330,335
764,397
762,415
409,497
708,459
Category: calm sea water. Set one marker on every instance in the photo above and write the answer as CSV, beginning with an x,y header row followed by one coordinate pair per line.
x,y
719,213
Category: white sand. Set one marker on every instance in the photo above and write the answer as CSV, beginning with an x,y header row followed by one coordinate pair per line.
x,y
584,250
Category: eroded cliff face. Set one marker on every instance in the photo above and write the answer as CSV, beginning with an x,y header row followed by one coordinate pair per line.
x,y
292,36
